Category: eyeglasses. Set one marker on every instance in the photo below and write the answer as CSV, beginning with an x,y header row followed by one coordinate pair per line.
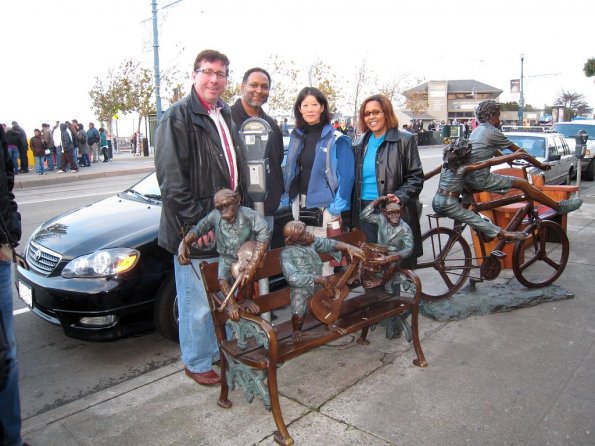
x,y
208,72
373,113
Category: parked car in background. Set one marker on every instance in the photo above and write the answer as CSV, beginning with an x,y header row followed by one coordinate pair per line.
x,y
551,148
98,272
570,130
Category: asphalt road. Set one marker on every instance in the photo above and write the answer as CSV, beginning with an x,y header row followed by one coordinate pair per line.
x,y
53,368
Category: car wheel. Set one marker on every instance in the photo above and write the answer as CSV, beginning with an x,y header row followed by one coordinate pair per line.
x,y
589,172
165,311
566,178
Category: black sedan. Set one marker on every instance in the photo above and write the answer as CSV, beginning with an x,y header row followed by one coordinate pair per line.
x,y
98,272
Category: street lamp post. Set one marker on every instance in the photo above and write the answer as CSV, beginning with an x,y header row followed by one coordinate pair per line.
x,y
156,61
522,99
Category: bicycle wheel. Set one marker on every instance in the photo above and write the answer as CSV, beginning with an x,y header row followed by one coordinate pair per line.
x,y
445,264
539,260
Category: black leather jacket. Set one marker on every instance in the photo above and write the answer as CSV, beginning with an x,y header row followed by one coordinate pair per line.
x,y
10,223
191,167
398,171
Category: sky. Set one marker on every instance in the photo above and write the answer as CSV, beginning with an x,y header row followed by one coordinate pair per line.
x,y
53,51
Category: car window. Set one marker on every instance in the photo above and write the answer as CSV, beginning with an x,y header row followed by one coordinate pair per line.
x,y
533,145
148,186
571,130
552,149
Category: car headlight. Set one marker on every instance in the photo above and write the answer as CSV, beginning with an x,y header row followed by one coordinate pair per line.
x,y
104,263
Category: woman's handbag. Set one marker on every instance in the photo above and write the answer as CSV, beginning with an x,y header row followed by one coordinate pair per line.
x,y
311,216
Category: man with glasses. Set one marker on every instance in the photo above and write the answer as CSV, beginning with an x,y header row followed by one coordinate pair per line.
x,y
197,154
255,88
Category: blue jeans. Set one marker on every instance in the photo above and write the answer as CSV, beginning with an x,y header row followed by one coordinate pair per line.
x,y
14,156
50,159
85,160
39,160
58,157
198,342
10,405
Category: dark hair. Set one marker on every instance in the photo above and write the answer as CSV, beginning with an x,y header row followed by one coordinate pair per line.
x,y
456,154
325,117
256,70
389,113
486,109
211,56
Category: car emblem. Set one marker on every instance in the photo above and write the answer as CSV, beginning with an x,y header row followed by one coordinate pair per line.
x,y
37,255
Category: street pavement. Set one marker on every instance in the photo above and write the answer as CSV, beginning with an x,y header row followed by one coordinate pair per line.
x,y
519,378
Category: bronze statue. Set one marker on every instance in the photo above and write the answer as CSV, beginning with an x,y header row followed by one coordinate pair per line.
x,y
395,242
242,236
302,268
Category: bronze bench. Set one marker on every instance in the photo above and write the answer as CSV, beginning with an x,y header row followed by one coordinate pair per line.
x,y
250,359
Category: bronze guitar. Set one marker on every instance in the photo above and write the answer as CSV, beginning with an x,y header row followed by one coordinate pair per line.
x,y
325,304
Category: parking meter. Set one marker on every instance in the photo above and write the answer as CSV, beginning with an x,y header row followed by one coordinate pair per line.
x,y
579,149
581,144
255,132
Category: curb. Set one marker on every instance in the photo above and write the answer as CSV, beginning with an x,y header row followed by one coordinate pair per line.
x,y
70,178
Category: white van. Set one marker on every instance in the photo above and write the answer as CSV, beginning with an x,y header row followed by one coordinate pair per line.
x,y
570,130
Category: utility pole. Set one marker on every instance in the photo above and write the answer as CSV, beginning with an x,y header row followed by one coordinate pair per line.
x,y
156,61
522,100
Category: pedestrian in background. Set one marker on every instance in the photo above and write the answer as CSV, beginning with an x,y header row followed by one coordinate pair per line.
x,y
84,149
22,147
48,144
196,155
57,138
103,144
387,162
68,149
38,149
93,141
10,234
15,144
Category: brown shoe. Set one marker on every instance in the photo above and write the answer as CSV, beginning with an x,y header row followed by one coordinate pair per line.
x,y
209,378
512,236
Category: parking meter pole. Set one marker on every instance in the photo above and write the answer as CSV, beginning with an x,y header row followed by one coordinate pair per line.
x,y
263,284
255,134
580,148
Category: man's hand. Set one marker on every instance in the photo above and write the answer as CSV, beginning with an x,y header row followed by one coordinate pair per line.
x,y
354,252
206,240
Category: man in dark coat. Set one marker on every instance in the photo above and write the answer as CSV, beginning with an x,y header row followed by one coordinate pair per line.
x,y
256,85
197,153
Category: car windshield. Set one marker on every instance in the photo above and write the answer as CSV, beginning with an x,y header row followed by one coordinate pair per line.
x,y
148,187
571,130
532,145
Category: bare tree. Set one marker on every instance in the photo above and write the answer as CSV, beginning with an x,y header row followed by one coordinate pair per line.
x,y
574,104
284,84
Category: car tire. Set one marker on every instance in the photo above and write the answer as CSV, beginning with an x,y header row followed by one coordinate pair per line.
x,y
566,178
165,310
589,171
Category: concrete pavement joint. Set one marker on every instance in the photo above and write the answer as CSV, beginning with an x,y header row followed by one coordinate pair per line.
x,y
45,419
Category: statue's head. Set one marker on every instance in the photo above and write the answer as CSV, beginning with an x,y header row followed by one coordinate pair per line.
x,y
487,110
392,212
295,233
227,202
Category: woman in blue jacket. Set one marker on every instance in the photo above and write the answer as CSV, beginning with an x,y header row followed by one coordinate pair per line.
x,y
320,165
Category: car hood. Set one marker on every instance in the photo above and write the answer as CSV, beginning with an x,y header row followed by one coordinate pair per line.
x,y
110,223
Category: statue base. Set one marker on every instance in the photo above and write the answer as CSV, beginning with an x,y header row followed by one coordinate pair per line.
x,y
480,300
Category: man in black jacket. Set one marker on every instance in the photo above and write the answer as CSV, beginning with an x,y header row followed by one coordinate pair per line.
x,y
197,153
10,234
255,88
22,147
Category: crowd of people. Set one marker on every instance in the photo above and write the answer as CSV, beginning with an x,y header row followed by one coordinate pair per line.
x,y
62,148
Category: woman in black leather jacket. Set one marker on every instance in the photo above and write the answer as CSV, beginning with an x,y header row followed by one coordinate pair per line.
x,y
386,162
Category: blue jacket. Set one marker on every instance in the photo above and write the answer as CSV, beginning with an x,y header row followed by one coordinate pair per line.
x,y
342,170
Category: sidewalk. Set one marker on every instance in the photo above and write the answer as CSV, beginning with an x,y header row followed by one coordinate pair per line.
x,y
519,378
122,164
